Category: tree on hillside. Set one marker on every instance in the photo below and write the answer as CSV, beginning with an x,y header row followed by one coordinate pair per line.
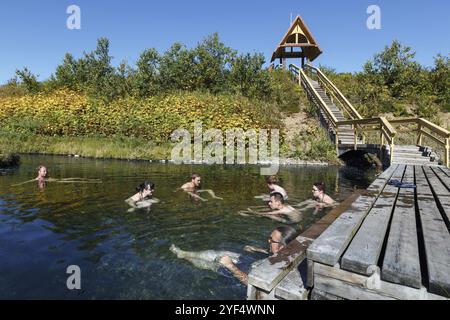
x,y
397,69
28,80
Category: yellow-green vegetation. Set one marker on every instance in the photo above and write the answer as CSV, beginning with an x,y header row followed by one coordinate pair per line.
x,y
91,108
67,113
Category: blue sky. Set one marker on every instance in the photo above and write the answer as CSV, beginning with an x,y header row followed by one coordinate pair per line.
x,y
34,33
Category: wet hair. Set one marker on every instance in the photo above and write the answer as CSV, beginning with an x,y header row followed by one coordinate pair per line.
x,y
278,196
272,180
320,186
146,185
40,167
287,234
195,175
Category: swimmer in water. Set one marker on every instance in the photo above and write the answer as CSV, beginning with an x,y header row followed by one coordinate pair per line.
x,y
42,179
279,211
144,196
193,188
273,183
320,198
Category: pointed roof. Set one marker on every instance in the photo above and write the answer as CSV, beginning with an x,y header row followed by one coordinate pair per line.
x,y
298,36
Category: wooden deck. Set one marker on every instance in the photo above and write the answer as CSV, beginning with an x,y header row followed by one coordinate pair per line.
x,y
392,243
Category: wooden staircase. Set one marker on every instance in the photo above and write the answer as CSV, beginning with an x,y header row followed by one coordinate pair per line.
x,y
348,129
417,155
346,133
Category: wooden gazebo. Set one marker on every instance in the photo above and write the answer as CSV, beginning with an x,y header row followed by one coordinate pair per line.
x,y
298,42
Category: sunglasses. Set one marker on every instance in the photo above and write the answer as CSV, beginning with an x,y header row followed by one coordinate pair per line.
x,y
273,241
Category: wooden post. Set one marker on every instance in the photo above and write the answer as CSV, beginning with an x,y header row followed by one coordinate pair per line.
x,y
391,156
303,62
337,141
447,151
382,139
355,137
419,137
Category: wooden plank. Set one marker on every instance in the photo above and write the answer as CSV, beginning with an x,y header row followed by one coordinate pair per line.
x,y
267,273
331,244
441,193
436,237
365,249
436,184
352,286
401,261
291,287
445,179
317,294
445,170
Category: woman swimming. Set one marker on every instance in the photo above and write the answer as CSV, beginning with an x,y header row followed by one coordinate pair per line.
x,y
144,196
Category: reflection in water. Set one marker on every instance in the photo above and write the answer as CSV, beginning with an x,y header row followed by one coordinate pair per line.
x,y
126,254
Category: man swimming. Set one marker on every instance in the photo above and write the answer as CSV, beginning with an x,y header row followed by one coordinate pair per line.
x,y
192,188
280,211
279,238
237,264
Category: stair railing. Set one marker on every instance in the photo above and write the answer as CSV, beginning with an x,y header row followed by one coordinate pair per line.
x,y
303,80
425,128
431,131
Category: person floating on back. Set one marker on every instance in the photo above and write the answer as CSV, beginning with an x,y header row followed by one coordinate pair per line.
x,y
279,239
193,188
42,178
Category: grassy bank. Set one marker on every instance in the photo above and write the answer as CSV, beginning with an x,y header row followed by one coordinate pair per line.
x,y
96,147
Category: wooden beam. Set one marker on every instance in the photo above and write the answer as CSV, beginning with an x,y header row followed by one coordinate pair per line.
x,y
364,251
401,260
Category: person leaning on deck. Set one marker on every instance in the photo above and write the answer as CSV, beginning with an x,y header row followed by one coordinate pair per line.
x,y
279,238
319,195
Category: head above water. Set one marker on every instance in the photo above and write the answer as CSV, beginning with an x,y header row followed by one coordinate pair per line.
x,y
147,187
276,201
42,172
196,179
318,189
280,237
272,180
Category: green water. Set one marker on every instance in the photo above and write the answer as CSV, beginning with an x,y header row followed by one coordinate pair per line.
x,y
125,255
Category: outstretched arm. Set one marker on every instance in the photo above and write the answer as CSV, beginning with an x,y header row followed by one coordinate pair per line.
x,y
19,184
211,193
240,275
255,249
196,196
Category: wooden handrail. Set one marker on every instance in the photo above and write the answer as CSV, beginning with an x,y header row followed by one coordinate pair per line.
x,y
298,71
386,127
434,128
345,103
